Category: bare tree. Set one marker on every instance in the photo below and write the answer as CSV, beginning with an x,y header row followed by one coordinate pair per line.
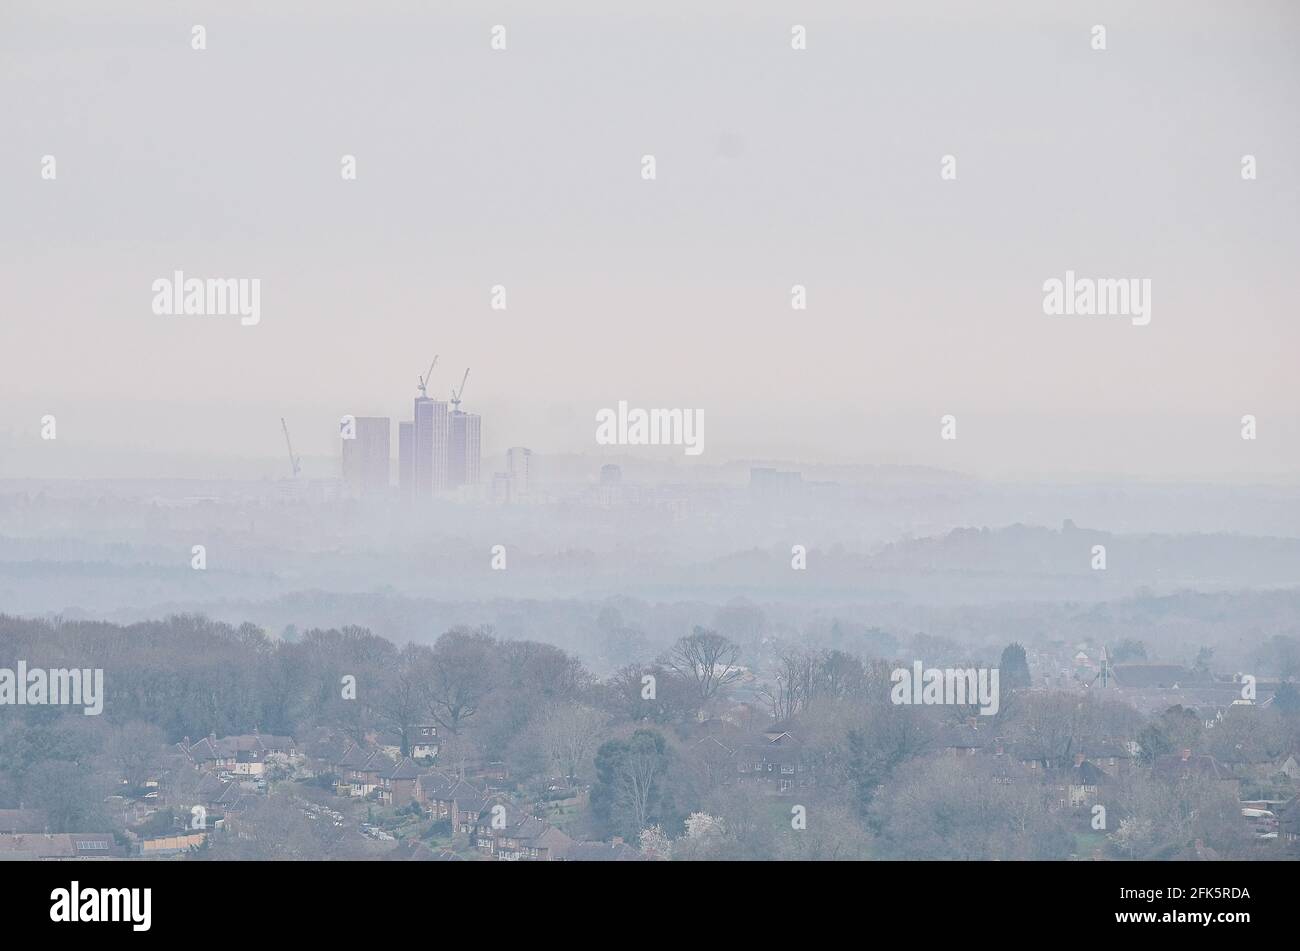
x,y
1051,726
638,776
280,828
707,660
805,676
793,686
463,671
954,809
544,669
666,697
568,734
840,675
134,750
405,699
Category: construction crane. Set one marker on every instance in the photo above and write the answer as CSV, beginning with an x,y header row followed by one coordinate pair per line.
x,y
455,394
293,460
424,380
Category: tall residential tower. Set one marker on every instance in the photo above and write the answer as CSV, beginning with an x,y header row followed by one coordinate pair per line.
x,y
366,458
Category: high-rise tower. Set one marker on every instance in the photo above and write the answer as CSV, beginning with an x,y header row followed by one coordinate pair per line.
x,y
366,458
519,464
405,458
464,456
429,447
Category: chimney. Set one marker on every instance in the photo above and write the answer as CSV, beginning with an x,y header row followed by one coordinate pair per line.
x,y
1078,759
974,722
1187,754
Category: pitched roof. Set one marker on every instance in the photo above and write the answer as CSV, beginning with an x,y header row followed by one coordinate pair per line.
x,y
210,789
377,762
432,780
62,845
728,733
556,841
1088,774
1288,817
445,789
406,769
711,746
364,759
1105,747
230,796
353,757
1007,770
527,827
203,751
1173,766
227,747
779,747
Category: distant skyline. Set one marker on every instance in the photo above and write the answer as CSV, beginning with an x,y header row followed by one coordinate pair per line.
x,y
1020,449
522,168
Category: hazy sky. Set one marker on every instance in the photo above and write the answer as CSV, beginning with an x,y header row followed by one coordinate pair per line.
x,y
775,167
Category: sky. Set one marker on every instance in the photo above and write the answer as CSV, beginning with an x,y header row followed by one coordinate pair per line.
x,y
774,167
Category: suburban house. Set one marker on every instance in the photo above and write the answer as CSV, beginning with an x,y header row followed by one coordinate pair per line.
x,y
528,840
219,797
360,770
716,758
1182,766
774,759
425,745
452,800
397,786
1289,766
241,755
1115,756
1008,771
966,739
66,846
1081,782
714,747
533,840
1288,823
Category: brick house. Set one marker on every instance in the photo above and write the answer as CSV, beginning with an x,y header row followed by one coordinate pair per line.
x,y
397,786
